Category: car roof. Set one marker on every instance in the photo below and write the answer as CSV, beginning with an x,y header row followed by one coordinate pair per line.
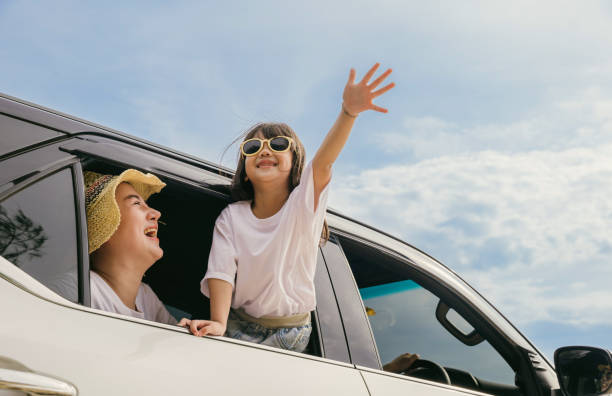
x,y
71,126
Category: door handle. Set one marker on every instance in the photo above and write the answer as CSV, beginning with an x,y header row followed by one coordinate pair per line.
x,y
34,384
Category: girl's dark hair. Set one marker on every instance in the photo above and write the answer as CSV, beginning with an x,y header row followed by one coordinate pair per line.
x,y
242,189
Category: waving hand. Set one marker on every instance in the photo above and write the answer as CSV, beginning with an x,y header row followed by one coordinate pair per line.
x,y
358,96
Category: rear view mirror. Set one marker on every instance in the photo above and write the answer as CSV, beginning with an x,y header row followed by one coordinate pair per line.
x,y
584,371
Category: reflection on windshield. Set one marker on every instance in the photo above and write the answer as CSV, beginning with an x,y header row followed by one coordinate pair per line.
x,y
387,288
20,236
384,317
402,315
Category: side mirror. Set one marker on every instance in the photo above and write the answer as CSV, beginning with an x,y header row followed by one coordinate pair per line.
x,y
584,371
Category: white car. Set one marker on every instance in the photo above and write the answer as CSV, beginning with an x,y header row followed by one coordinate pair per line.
x,y
377,296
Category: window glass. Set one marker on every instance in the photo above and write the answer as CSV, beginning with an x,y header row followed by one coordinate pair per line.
x,y
38,233
402,315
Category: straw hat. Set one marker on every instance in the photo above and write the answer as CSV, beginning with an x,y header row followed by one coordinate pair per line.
x,y
103,215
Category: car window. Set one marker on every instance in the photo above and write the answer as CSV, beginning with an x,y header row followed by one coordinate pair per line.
x,y
402,316
38,233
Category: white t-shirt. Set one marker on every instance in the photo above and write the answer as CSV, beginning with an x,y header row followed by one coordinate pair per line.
x,y
148,306
270,262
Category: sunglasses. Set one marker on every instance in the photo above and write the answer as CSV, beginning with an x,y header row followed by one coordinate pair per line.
x,y
278,144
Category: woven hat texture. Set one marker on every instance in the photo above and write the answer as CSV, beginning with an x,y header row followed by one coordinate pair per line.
x,y
103,215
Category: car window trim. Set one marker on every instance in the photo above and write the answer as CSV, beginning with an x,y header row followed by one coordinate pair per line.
x,y
78,185
359,335
328,307
27,176
30,178
85,145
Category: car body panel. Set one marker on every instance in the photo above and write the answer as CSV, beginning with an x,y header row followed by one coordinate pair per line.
x,y
382,383
103,353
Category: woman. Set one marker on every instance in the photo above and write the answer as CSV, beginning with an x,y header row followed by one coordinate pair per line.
x,y
123,243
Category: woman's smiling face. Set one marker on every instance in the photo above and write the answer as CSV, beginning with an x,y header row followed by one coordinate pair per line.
x,y
137,232
268,166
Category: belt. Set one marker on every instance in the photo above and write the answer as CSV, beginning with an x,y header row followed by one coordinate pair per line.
x,y
275,322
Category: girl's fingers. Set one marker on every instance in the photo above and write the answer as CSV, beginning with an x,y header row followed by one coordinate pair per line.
x,y
370,73
193,326
351,79
383,90
380,79
207,329
379,109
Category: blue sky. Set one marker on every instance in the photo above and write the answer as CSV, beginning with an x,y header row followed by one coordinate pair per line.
x,y
494,157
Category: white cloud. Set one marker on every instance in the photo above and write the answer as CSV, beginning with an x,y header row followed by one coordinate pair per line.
x,y
530,230
581,120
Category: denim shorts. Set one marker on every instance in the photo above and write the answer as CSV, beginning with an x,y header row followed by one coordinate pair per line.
x,y
290,338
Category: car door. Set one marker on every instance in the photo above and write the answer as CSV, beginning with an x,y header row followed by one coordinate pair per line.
x,y
101,353
396,308
51,338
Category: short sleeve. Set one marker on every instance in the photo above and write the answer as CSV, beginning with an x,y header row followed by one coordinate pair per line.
x,y
97,293
222,258
154,308
305,200
163,316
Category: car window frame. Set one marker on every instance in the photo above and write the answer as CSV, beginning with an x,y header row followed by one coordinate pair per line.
x,y
23,177
332,345
496,338
127,154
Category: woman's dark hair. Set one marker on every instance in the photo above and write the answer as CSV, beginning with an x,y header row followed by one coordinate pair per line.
x,y
242,189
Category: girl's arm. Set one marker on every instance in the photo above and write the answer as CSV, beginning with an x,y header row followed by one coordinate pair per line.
x,y
220,302
356,99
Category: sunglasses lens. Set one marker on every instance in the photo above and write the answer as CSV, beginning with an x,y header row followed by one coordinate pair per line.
x,y
251,147
279,143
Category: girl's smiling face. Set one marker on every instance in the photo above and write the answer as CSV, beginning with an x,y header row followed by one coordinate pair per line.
x,y
268,166
284,167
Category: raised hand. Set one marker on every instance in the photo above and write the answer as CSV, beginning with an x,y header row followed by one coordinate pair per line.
x,y
358,97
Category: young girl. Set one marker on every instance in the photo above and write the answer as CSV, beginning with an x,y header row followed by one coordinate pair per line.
x,y
260,276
